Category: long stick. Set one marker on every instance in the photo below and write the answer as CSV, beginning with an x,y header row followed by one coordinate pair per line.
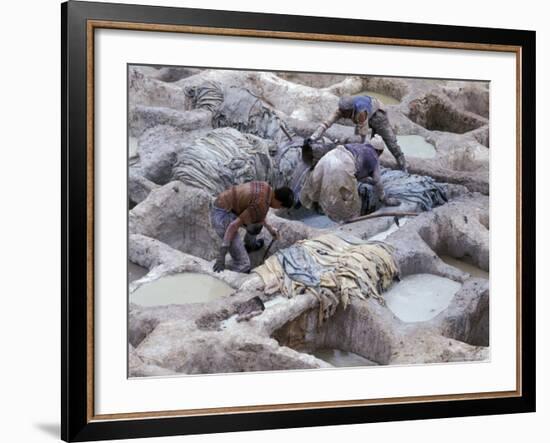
x,y
382,214
286,132
268,248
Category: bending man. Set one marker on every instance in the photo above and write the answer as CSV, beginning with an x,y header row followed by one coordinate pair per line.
x,y
367,167
245,205
333,183
365,111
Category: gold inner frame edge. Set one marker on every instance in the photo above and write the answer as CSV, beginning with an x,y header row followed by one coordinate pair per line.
x,y
121,25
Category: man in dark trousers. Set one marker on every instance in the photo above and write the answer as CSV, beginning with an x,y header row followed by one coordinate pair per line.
x,y
245,205
367,166
365,111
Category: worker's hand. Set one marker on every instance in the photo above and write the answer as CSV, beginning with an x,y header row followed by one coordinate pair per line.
x,y
219,264
391,201
274,233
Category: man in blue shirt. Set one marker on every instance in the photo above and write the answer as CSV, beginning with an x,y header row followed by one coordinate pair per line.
x,y
365,111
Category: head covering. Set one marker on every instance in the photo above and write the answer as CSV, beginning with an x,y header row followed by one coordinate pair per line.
x,y
345,103
377,143
362,103
356,104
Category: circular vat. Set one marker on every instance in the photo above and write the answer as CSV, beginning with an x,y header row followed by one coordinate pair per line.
x,y
180,289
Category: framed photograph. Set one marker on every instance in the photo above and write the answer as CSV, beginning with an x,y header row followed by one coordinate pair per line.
x,y
276,221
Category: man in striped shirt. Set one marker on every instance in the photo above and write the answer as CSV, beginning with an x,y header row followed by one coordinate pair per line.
x,y
245,205
365,111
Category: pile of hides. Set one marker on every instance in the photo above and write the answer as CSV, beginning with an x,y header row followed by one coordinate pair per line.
x,y
294,161
312,152
332,267
422,190
221,159
237,108
332,185
289,169
207,96
246,112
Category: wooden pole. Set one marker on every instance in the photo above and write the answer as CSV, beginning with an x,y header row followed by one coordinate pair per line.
x,y
381,214
286,133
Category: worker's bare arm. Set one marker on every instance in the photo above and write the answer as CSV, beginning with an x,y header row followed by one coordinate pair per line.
x,y
326,124
362,128
231,231
274,233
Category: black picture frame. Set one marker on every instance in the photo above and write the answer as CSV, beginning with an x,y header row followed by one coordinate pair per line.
x,y
77,424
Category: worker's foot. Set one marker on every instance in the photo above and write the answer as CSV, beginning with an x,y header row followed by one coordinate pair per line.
x,y
255,245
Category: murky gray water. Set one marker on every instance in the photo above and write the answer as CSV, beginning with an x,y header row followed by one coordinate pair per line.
x,y
416,146
386,99
185,288
135,272
341,359
420,297
310,218
473,270
382,235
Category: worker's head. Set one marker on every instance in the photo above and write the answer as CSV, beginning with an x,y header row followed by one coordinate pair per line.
x,y
345,103
282,198
378,144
